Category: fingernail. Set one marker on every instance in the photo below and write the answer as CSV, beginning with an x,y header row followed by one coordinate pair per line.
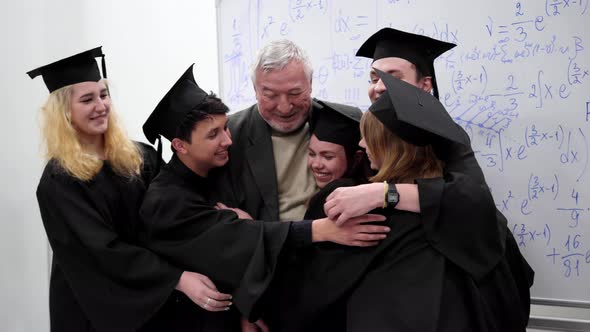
x,y
230,297
226,309
387,229
230,304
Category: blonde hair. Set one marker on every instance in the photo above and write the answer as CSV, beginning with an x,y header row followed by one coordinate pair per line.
x,y
62,145
401,162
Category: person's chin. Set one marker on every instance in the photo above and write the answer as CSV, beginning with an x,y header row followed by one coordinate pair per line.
x,y
101,123
99,130
221,161
321,183
283,128
287,127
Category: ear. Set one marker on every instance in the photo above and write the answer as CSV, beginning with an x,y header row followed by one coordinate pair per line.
x,y
357,158
68,115
255,91
179,145
258,73
426,83
358,155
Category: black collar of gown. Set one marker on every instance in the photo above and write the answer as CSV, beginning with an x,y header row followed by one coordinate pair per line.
x,y
198,182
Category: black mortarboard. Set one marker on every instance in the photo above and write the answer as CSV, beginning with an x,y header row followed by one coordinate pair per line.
x,y
337,124
77,68
183,97
414,114
417,49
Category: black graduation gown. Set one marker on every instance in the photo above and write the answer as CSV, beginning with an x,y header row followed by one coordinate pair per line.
x,y
486,255
239,256
446,220
404,284
100,279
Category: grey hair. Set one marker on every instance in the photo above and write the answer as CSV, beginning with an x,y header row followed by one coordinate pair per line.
x,y
277,54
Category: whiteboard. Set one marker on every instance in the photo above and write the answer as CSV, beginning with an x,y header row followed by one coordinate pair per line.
x,y
518,82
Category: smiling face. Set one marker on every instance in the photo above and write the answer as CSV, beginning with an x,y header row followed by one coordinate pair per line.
x,y
208,147
89,108
399,68
284,96
326,160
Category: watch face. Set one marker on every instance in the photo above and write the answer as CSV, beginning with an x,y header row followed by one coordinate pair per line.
x,y
392,195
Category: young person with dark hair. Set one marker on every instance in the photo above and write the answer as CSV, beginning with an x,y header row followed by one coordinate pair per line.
x,y
182,225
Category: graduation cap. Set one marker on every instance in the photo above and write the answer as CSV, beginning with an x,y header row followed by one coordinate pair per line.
x,y
77,68
417,49
183,97
337,124
415,115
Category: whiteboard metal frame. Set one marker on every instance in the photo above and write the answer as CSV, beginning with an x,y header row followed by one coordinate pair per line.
x,y
560,303
559,324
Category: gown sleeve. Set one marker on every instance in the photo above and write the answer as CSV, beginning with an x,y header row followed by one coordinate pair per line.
x,y
465,197
239,256
118,285
315,208
459,218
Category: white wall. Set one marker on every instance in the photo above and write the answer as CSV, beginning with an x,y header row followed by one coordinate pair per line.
x,y
148,45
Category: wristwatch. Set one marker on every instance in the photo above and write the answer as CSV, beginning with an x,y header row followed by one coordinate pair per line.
x,y
391,196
